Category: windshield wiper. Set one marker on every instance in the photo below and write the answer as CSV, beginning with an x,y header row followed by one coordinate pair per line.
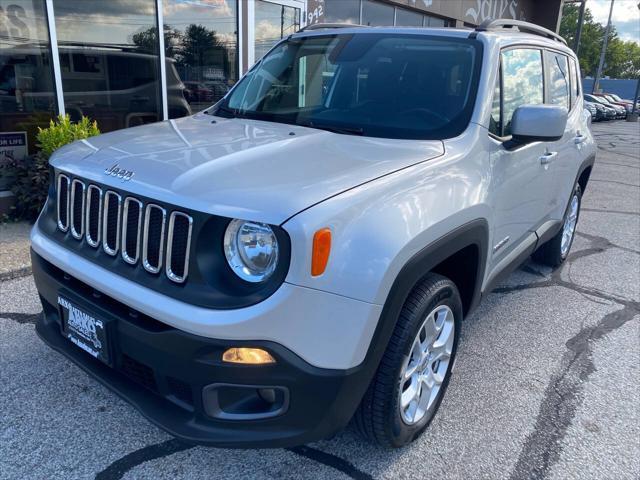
x,y
233,113
335,128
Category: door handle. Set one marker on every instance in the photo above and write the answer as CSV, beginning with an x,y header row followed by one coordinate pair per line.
x,y
579,138
547,158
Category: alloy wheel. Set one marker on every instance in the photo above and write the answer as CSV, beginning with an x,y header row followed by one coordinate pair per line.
x,y
425,369
569,226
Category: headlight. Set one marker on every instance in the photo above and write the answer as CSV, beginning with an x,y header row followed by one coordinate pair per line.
x,y
251,249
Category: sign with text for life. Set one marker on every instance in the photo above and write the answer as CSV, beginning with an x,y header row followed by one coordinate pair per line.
x,y
13,146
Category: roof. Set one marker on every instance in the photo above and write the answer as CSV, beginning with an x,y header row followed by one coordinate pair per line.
x,y
503,32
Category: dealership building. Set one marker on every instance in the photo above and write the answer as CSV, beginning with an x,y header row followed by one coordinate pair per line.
x,y
104,58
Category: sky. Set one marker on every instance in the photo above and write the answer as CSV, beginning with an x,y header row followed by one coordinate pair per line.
x,y
626,16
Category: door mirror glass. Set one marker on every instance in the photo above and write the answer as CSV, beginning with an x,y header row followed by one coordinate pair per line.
x,y
532,123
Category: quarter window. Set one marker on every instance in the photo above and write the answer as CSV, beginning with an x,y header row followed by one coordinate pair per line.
x,y
558,79
522,82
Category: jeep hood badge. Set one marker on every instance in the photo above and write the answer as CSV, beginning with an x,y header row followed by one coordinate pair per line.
x,y
122,173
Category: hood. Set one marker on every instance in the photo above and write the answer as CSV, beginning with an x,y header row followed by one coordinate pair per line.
x,y
240,168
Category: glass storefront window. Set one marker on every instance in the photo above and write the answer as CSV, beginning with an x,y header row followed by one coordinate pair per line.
x,y
273,22
341,11
435,22
27,100
109,61
376,14
201,42
407,18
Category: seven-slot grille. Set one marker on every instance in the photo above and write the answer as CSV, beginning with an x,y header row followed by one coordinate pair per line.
x,y
124,224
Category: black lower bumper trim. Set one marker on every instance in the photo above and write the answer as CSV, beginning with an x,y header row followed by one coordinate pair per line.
x,y
162,371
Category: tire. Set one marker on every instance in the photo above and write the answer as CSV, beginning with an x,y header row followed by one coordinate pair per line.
x,y
380,417
553,253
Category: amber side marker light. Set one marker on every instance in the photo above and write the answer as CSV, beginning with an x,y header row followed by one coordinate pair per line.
x,y
321,251
249,356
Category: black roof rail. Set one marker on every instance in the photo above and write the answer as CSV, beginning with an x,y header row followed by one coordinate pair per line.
x,y
526,27
319,26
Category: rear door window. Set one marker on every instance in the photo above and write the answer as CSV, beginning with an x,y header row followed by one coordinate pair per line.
x,y
559,87
575,81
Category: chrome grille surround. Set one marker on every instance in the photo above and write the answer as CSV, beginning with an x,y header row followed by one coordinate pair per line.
x,y
127,225
148,266
94,242
126,254
105,224
62,180
170,237
77,234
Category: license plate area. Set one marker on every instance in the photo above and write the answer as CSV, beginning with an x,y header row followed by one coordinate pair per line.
x,y
85,329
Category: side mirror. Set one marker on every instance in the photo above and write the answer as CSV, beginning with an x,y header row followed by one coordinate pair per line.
x,y
538,123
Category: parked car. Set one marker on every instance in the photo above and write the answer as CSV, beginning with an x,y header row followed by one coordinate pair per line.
x,y
304,251
625,101
601,110
219,87
117,88
610,113
197,92
612,101
627,104
620,111
591,108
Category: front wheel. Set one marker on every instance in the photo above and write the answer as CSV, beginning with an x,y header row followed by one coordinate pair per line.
x,y
556,250
414,372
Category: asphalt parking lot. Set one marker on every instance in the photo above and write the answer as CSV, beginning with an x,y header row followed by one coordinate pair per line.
x,y
547,382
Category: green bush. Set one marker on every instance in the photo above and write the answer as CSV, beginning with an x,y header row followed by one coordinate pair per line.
x,y
62,131
31,175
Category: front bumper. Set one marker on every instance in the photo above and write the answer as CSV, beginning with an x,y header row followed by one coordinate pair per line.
x,y
162,371
326,330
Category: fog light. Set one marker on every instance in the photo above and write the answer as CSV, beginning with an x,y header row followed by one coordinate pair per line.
x,y
252,356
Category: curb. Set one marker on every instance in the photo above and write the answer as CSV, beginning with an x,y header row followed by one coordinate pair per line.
x,y
13,274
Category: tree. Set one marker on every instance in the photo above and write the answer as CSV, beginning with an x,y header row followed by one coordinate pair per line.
x,y
201,47
198,45
147,40
622,59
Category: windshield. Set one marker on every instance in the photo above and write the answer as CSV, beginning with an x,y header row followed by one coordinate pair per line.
x,y
372,84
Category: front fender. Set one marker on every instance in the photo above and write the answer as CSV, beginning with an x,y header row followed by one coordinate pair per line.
x,y
379,226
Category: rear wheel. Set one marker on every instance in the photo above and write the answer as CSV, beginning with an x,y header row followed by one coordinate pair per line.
x,y
413,375
556,250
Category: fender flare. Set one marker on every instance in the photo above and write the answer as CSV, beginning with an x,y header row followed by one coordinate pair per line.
x,y
474,233
587,163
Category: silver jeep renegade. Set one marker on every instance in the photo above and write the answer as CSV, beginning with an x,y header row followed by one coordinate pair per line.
x,y
303,252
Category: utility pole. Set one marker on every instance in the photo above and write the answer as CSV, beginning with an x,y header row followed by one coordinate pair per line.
x,y
604,51
634,111
576,47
